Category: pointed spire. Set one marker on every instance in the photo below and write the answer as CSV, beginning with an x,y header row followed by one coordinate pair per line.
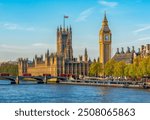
x,y
105,26
105,21
105,16
57,29
85,52
60,28
47,52
89,59
70,28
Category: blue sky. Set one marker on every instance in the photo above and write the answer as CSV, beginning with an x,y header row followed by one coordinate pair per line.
x,y
28,27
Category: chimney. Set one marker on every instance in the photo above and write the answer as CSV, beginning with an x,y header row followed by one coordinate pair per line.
x,y
117,51
128,50
133,49
122,50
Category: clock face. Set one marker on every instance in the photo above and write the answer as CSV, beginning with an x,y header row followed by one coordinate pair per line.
x,y
106,37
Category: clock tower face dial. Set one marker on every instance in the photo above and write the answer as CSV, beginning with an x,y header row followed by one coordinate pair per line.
x,y
106,37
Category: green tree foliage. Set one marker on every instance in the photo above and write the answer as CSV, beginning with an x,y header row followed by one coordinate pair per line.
x,y
126,70
119,69
8,68
139,68
96,69
133,71
145,66
148,66
109,67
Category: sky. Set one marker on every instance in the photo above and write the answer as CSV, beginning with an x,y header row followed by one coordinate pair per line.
x,y
28,27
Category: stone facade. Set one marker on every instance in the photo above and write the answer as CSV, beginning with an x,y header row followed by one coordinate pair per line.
x,y
129,56
61,62
105,42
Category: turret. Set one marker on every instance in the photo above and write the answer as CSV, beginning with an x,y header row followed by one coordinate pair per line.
x,y
133,51
80,58
117,51
60,28
64,43
70,29
85,55
122,50
128,50
57,29
22,66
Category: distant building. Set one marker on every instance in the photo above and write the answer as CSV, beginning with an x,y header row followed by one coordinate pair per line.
x,y
128,56
145,50
61,62
9,63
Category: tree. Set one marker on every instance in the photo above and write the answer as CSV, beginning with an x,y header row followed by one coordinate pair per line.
x,y
126,70
109,67
95,69
8,68
137,60
132,71
148,66
119,69
145,66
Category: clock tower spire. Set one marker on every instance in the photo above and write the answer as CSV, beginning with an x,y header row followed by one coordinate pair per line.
x,y
105,41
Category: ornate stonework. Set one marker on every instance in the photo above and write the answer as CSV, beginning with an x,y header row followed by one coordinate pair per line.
x,y
105,41
128,56
61,62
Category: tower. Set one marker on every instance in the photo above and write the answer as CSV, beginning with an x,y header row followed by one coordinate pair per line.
x,y
64,42
22,66
105,41
85,55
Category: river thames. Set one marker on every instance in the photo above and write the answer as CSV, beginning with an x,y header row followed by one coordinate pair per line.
x,y
60,93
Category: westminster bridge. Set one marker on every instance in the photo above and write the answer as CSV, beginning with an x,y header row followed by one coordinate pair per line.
x,y
38,79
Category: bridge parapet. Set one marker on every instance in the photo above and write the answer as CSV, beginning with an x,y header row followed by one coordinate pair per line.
x,y
39,79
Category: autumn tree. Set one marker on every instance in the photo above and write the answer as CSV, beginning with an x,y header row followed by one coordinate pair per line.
x,y
95,69
109,67
119,69
8,68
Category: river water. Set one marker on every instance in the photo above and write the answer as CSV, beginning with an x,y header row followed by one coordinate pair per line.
x,y
60,93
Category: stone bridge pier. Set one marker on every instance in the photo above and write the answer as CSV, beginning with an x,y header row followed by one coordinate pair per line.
x,y
38,79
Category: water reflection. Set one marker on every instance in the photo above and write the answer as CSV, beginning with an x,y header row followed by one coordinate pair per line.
x,y
57,93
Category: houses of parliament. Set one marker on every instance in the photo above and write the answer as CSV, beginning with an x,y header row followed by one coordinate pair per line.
x,y
63,61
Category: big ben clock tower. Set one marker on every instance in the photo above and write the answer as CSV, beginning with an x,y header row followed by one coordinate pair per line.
x,y
105,42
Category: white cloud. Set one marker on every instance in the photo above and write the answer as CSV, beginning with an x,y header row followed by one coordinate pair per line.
x,y
147,27
14,26
108,4
138,40
144,38
18,48
11,26
40,45
11,47
85,14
